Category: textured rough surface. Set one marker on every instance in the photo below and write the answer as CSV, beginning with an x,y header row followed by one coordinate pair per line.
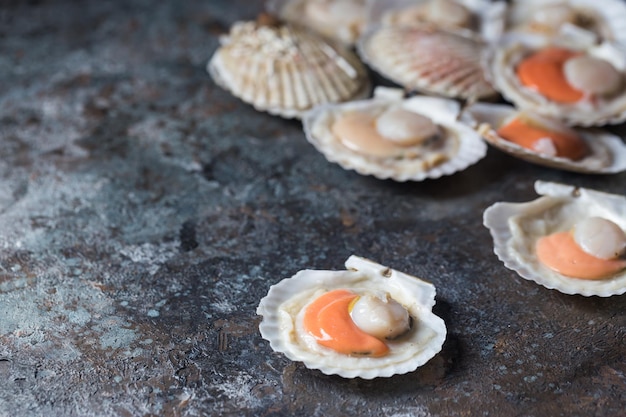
x,y
144,212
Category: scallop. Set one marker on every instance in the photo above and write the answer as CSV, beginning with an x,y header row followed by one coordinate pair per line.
x,y
593,76
481,18
605,20
600,237
341,20
554,241
568,79
590,151
428,60
368,321
285,69
380,316
390,137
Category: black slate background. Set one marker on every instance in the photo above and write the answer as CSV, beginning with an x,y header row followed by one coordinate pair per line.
x,y
144,212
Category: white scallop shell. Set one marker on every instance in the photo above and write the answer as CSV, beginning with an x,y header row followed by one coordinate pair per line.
x,y
488,17
287,298
607,151
516,227
459,151
426,59
605,18
286,70
344,23
501,61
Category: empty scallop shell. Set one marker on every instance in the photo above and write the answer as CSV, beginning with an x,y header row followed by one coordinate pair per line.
x,y
605,19
607,152
281,307
460,146
516,227
286,70
341,20
502,60
483,18
427,59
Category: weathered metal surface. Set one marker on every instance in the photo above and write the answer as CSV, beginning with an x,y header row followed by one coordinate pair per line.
x,y
144,212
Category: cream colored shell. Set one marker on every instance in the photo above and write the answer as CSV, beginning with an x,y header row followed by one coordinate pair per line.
x,y
285,300
428,60
501,61
341,20
606,19
607,151
286,70
459,148
485,18
516,227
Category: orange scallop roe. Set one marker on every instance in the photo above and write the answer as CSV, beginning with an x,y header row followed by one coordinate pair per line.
x,y
526,135
328,319
543,72
561,253
357,131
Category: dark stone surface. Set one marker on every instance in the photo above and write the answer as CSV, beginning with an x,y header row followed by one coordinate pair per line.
x,y
144,212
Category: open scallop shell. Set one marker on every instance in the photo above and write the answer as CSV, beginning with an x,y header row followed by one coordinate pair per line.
x,y
484,18
428,60
341,20
516,227
286,299
606,19
286,70
607,151
462,146
501,61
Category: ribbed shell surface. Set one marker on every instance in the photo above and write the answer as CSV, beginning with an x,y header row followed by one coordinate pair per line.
x,y
516,226
606,18
501,61
285,69
607,152
428,60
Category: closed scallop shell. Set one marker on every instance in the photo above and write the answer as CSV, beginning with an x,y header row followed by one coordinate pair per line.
x,y
516,227
607,152
501,60
341,20
285,69
461,146
605,19
483,18
428,60
285,300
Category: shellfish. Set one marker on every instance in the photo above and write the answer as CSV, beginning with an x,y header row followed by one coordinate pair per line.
x,y
482,18
547,142
570,239
567,79
394,138
428,60
367,321
605,20
341,20
284,69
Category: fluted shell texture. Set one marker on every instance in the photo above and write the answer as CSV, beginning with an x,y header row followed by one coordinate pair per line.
x,y
286,70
